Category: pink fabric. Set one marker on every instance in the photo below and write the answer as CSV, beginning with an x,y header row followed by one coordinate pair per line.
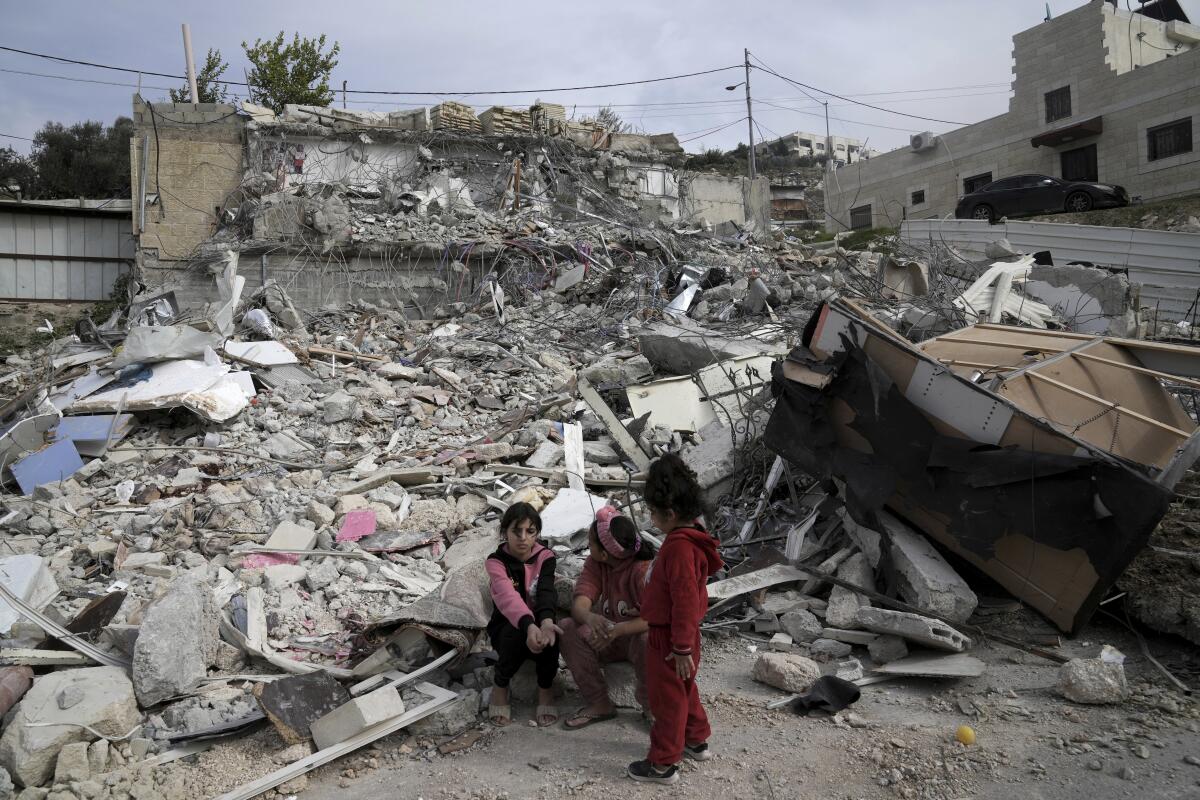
x,y
264,560
604,518
356,525
505,594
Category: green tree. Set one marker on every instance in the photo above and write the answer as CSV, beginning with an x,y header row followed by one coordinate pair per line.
x,y
779,148
17,174
209,88
87,159
291,73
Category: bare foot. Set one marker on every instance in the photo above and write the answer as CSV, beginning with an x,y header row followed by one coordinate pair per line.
x,y
546,702
591,714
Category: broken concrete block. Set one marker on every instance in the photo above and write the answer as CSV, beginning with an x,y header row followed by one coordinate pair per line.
x,y
281,576
849,670
398,372
791,673
801,625
290,536
29,750
714,460
7,790
339,407
356,716
844,604
294,703
887,648
461,714
915,628
781,642
766,622
935,665
622,684
98,753
493,451
177,642
72,764
828,649
849,637
28,578
925,579
1092,681
320,514
600,453
137,562
546,455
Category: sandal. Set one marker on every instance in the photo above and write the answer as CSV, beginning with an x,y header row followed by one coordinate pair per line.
x,y
500,716
588,719
546,711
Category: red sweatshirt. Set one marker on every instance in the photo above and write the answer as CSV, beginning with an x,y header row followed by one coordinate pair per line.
x,y
676,595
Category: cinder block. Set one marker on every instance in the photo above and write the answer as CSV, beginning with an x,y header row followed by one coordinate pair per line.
x,y
356,716
926,580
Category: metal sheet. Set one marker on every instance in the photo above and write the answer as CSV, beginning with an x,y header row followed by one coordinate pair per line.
x,y
1165,264
941,395
44,252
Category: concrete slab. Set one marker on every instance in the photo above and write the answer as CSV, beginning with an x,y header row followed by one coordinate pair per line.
x,y
925,579
356,716
929,665
914,627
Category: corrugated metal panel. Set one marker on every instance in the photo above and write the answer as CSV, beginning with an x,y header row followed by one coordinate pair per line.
x,y
39,255
1165,264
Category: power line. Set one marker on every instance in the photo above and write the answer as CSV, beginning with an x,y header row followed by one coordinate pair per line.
x,y
841,119
856,102
389,91
10,136
82,80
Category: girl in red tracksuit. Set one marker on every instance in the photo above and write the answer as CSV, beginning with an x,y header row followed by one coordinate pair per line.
x,y
673,603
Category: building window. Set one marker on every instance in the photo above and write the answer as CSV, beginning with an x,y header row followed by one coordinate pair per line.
x,y
1058,104
1080,164
918,197
1170,140
976,182
820,146
806,143
860,217
839,147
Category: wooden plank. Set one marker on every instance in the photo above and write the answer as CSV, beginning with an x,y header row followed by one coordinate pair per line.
x,y
1007,345
440,699
626,442
23,657
1143,370
636,481
573,454
1101,401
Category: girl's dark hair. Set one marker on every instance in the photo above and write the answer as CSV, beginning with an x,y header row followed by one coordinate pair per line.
x,y
519,512
672,486
626,533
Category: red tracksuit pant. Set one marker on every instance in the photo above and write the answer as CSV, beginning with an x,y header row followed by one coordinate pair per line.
x,y
678,716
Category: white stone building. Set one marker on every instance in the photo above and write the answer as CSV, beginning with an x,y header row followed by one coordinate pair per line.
x,y
1099,93
799,143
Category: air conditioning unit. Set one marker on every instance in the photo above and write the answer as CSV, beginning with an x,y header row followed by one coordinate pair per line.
x,y
921,142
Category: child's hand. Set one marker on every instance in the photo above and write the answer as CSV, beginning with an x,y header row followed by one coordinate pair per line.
x,y
602,632
535,640
550,632
683,666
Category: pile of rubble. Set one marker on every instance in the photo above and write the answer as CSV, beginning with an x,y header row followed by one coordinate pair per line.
x,y
246,514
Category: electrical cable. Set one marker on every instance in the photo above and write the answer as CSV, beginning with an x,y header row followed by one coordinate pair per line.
x,y
387,91
10,136
856,102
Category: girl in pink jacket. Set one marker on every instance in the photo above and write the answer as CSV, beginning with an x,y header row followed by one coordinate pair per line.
x,y
521,574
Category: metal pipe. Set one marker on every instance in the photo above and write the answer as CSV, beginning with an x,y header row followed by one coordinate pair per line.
x,y
142,183
191,65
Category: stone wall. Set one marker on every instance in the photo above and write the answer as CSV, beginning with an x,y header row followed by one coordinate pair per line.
x,y
196,152
717,199
1077,50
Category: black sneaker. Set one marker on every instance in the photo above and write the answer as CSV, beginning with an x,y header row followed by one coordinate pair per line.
x,y
648,773
697,752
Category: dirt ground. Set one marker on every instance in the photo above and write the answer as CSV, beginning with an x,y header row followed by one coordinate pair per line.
x,y
1159,215
897,741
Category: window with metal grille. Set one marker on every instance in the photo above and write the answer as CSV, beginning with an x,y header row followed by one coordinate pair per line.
x,y
1170,139
918,197
976,182
1058,104
860,217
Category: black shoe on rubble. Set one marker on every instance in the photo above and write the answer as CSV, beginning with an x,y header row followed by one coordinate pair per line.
x,y
648,773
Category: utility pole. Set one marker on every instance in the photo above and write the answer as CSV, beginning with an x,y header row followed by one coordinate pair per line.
x,y
191,65
343,94
750,114
828,138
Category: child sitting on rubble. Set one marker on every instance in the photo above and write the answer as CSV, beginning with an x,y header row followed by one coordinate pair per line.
x,y
606,624
521,574
673,603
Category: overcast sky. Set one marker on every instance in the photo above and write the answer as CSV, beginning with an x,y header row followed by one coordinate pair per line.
x,y
946,59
